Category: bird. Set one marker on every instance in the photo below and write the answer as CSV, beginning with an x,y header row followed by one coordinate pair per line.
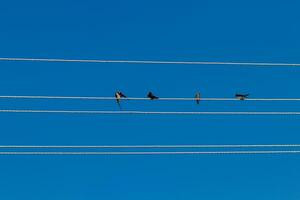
x,y
197,97
121,94
241,96
151,96
118,96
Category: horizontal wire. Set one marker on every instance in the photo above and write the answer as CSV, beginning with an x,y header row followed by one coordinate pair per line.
x,y
153,146
149,153
265,64
146,112
144,98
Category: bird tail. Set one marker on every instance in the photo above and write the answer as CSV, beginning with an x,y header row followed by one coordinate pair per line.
x,y
119,104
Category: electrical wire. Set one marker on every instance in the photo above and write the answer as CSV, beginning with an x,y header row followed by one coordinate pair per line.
x,y
150,146
149,153
147,112
143,99
255,64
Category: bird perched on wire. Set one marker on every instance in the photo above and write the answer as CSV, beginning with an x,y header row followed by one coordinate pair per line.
x,y
241,96
197,97
118,96
151,96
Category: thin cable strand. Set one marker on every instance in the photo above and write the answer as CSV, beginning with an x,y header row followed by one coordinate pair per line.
x,y
257,64
146,112
149,153
143,98
153,146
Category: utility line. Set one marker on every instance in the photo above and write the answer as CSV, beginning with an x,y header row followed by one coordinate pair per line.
x,y
146,112
261,64
149,146
148,153
144,99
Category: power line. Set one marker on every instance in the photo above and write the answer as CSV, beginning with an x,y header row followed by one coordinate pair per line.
x,y
261,64
143,98
149,153
146,112
151,146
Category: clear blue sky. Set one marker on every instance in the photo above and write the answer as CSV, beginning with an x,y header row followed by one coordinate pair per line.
x,y
256,30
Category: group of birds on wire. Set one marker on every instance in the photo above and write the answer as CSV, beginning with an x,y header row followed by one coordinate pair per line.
x,y
151,96
119,95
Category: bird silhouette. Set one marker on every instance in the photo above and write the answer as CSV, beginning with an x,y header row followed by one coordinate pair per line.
x,y
118,96
197,97
241,96
152,96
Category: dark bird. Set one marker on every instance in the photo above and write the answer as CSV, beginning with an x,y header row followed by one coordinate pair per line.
x,y
152,96
197,97
121,94
118,96
241,96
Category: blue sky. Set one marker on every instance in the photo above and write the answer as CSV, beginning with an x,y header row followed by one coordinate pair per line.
x,y
246,31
